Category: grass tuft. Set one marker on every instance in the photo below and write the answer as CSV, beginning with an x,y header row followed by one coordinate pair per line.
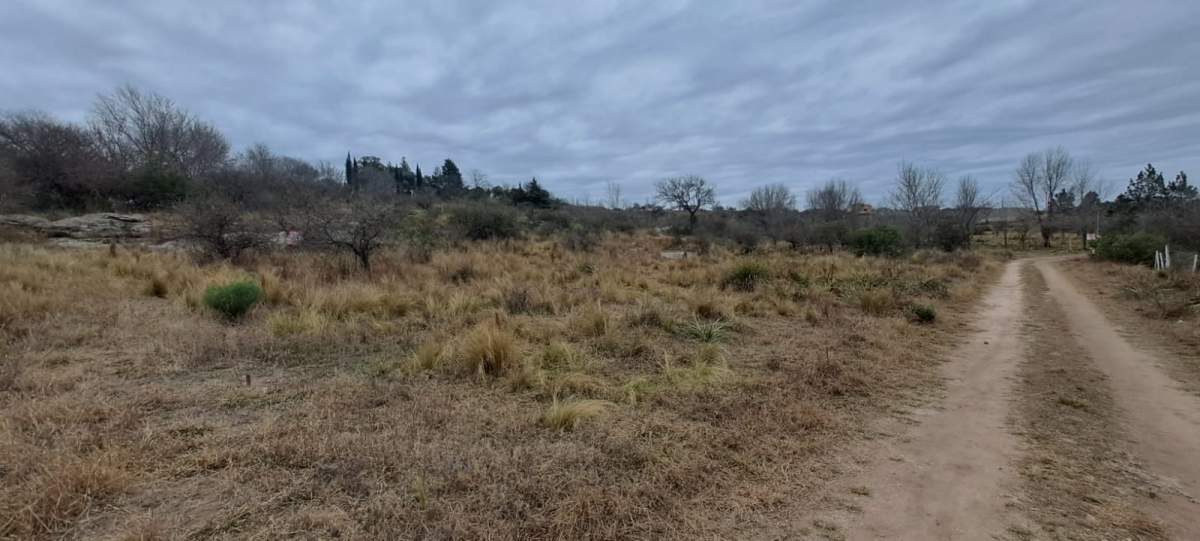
x,y
708,332
490,350
747,276
567,415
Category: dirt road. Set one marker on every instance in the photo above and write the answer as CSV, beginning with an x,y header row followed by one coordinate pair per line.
x,y
1162,422
954,474
950,476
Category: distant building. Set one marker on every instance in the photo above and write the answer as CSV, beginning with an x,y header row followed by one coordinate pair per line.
x,y
863,209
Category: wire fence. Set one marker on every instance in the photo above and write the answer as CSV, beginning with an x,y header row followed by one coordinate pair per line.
x,y
1176,260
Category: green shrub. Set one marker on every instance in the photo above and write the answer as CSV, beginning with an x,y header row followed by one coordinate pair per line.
x,y
1137,248
924,313
881,240
707,331
233,300
746,277
486,221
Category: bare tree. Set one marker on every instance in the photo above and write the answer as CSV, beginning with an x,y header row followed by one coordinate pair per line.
x,y
479,179
834,200
58,163
614,195
770,198
218,226
1038,178
689,193
770,205
147,130
357,227
969,206
918,193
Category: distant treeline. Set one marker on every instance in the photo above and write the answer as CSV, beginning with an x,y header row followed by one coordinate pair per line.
x,y
140,151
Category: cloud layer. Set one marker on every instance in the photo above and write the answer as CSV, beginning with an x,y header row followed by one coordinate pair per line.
x,y
582,93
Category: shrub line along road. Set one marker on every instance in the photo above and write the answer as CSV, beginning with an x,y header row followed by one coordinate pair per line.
x,y
954,475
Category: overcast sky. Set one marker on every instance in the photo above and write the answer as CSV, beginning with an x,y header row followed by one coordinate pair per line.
x,y
582,92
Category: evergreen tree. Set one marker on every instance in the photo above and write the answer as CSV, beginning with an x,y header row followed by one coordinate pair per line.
x,y
418,179
406,175
1179,190
1064,201
1145,189
532,194
452,180
349,170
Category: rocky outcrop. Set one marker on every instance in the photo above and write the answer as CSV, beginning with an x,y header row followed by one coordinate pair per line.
x,y
88,226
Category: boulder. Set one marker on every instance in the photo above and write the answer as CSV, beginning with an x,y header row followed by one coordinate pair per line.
x,y
23,220
105,225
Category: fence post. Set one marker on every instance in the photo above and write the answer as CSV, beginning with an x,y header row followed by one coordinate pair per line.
x,y
1167,256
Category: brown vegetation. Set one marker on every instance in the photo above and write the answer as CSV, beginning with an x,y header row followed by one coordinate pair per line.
x,y
509,390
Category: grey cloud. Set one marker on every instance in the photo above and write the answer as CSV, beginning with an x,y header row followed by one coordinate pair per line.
x,y
581,93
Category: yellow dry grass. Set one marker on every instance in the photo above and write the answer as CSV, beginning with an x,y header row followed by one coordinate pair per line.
x,y
416,402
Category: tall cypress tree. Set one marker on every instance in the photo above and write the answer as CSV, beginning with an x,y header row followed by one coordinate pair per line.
x,y
349,170
417,178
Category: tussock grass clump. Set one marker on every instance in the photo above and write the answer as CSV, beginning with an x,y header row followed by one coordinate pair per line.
x,y
559,354
592,321
877,302
708,332
649,315
490,350
157,287
297,322
747,276
579,384
704,367
709,304
924,313
232,301
428,356
568,414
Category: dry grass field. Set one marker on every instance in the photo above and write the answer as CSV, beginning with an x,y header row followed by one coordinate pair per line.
x,y
504,390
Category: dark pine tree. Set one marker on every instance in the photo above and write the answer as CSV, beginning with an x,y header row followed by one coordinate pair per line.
x,y
349,170
418,180
532,194
406,176
1180,190
452,180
